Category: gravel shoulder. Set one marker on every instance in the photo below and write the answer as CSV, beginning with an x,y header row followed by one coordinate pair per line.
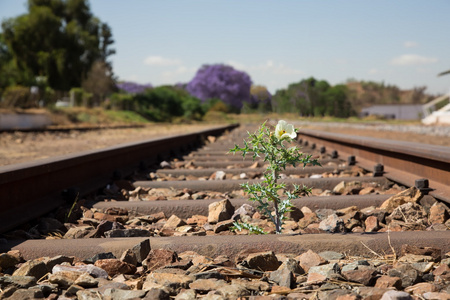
x,y
19,147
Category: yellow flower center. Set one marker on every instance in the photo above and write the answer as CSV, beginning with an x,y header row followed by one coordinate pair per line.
x,y
283,132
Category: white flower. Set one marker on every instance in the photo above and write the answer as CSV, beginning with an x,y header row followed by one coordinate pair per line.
x,y
285,130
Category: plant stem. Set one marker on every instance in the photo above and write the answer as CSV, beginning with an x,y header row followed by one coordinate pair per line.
x,y
275,203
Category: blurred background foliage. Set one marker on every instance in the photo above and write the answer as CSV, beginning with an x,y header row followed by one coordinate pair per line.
x,y
57,55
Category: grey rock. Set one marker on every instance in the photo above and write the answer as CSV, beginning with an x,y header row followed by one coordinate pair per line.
x,y
36,268
333,294
435,295
21,282
87,281
220,175
119,294
142,250
157,294
174,282
283,277
407,273
323,213
129,256
380,214
328,286
72,290
208,275
64,279
107,285
233,291
354,265
255,286
21,294
186,295
103,255
165,165
102,228
46,288
332,224
322,273
203,286
92,270
208,227
292,265
213,296
244,210
331,255
396,295
87,295
79,232
423,267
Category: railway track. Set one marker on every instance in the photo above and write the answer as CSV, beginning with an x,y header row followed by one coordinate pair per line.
x,y
192,176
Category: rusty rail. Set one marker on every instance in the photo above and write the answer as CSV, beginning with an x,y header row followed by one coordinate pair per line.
x,y
404,162
29,190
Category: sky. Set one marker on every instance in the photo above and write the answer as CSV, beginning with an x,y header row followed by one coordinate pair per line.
x,y
403,42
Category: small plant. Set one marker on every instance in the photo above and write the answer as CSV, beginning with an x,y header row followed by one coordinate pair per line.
x,y
272,147
252,229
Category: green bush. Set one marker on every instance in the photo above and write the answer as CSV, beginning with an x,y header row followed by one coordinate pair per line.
x,y
166,102
192,108
216,105
82,98
120,101
160,104
18,97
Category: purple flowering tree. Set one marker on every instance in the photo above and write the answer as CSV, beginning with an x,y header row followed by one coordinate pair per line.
x,y
132,87
221,82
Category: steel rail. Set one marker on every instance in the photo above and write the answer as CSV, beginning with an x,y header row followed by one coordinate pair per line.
x,y
404,162
29,190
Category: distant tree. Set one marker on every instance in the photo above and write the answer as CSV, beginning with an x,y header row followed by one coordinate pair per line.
x,y
337,103
367,93
312,97
9,73
299,97
260,100
133,87
57,39
221,82
99,81
260,93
